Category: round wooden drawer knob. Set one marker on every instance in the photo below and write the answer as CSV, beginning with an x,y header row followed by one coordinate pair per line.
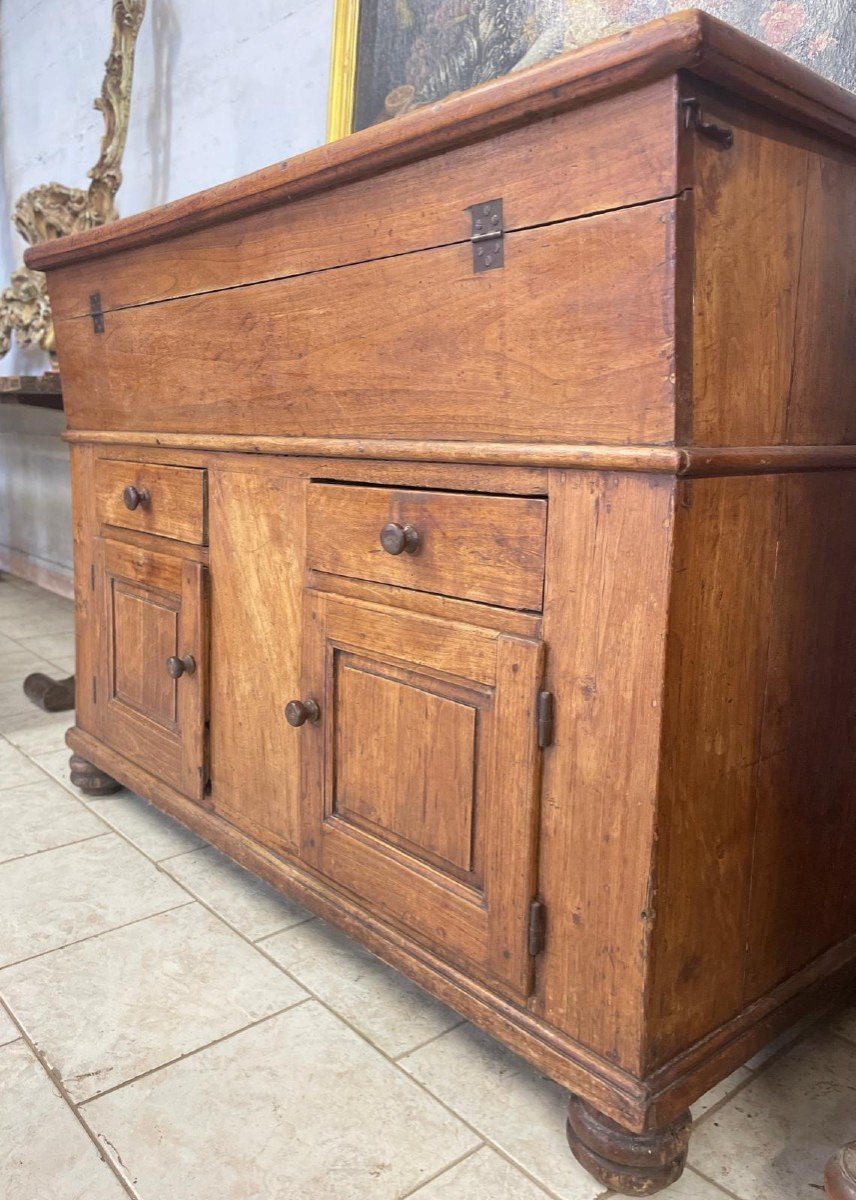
x,y
134,497
298,712
399,539
176,667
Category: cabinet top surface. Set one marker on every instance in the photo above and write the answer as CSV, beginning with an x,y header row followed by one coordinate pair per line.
x,y
690,41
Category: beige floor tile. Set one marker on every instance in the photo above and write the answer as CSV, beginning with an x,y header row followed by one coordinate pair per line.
x,y
508,1102
482,1176
33,620
785,1039
721,1091
16,768
51,646
55,762
110,1008
63,895
40,815
247,903
773,1138
392,1012
297,1106
691,1186
45,1152
14,704
8,1028
151,831
36,732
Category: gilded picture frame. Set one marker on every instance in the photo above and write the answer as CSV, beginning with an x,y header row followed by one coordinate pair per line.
x,y
391,55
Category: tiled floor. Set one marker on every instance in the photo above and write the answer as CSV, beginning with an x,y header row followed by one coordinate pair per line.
x,y
174,1029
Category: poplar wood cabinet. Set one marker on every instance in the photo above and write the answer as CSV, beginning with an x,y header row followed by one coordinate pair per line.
x,y
464,543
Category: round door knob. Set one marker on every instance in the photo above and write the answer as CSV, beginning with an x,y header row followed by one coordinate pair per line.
x,y
399,539
298,712
176,667
134,497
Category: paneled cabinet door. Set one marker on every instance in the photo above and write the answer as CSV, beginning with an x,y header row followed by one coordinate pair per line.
x,y
151,685
420,786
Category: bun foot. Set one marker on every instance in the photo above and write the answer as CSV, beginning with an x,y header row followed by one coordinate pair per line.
x,y
841,1174
90,780
634,1164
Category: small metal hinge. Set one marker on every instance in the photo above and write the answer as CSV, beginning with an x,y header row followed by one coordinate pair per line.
x,y
544,718
92,576
94,690
96,312
488,235
537,929
714,133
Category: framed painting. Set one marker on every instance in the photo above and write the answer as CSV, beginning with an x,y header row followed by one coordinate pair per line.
x,y
390,56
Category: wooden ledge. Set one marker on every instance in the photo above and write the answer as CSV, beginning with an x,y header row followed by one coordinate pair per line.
x,y
682,461
689,40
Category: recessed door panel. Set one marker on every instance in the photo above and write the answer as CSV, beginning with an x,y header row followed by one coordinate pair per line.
x,y
153,609
420,776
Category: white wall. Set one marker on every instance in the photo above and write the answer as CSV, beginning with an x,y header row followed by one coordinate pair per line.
x,y
221,88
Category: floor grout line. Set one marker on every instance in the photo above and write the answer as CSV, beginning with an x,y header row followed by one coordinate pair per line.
x,y
719,1187
170,1062
439,1174
53,1076
428,1041
90,937
60,846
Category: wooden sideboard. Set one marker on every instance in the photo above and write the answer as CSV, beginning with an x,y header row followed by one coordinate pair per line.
x,y
465,544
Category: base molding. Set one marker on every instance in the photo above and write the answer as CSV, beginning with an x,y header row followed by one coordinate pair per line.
x,y
50,576
637,1105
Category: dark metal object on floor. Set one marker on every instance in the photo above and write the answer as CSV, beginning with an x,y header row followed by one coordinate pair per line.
x,y
53,695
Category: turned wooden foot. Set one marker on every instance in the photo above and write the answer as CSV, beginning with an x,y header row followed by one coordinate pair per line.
x,y
89,779
634,1164
841,1174
53,695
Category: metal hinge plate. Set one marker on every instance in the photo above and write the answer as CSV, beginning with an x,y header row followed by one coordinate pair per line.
x,y
694,119
537,928
96,312
544,718
488,235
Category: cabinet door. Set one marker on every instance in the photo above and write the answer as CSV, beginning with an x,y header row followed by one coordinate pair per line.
x,y
421,776
152,710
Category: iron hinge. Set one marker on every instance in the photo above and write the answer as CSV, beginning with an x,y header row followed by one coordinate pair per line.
x,y
96,312
537,929
488,235
92,576
544,718
693,119
94,689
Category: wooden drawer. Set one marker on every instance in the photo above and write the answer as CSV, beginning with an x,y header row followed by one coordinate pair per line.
x,y
168,501
485,548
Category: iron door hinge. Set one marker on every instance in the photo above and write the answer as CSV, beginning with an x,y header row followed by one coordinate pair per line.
x,y
537,929
96,312
94,689
544,719
693,119
488,235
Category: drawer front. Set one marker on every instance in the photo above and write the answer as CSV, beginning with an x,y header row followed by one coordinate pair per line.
x,y
484,548
167,501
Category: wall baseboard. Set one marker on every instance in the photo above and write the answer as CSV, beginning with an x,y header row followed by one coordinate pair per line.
x,y
51,576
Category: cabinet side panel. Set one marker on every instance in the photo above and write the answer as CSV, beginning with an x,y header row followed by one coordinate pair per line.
x,y
609,550
775,288
804,874
256,529
719,632
88,636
